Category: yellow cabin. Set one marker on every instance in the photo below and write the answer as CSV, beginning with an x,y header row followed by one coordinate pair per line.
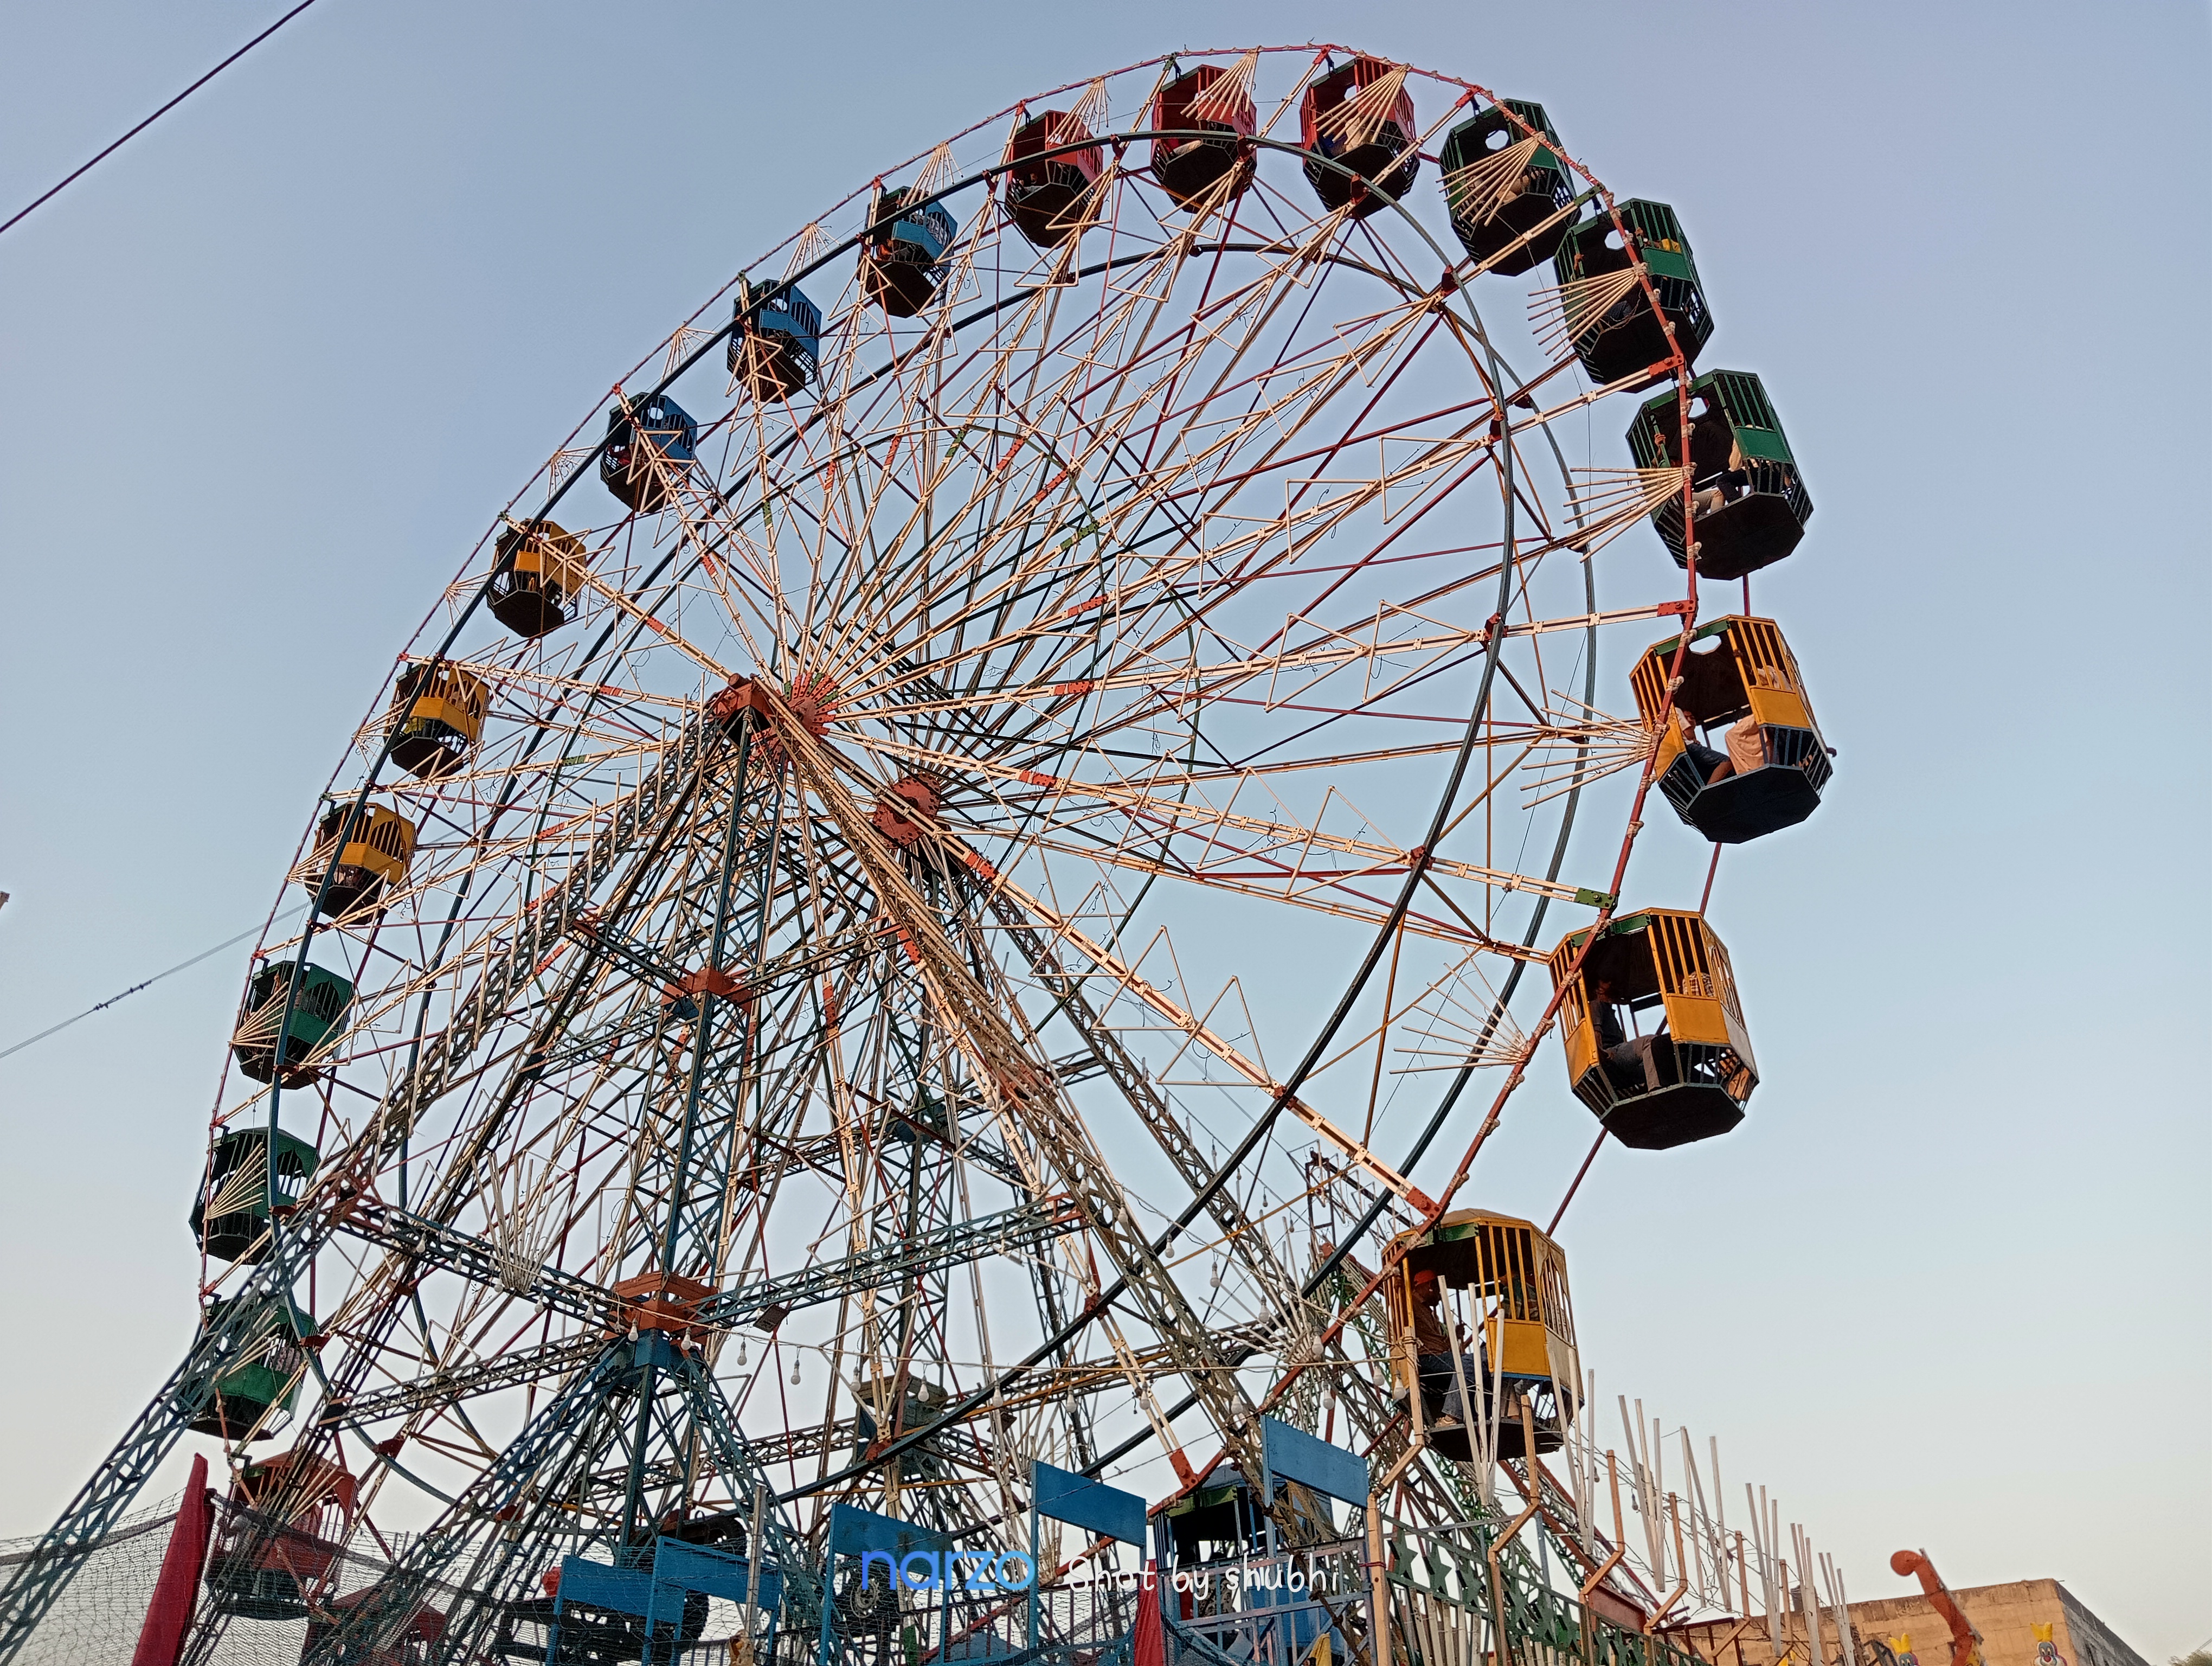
x,y
1688,1078
374,860
1740,686
540,572
1496,1278
437,718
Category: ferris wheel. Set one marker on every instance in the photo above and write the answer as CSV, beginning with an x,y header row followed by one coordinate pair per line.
x,y
912,909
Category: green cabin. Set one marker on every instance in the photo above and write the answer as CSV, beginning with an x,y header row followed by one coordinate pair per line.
x,y
1626,338
1498,199
230,1217
318,1012
1752,505
256,1389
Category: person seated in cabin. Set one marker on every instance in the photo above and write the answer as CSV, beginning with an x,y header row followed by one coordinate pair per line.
x,y
1746,737
1707,761
1631,1062
1747,746
1718,475
1433,1348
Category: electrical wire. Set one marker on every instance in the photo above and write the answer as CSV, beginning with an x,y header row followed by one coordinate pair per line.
x,y
182,965
86,169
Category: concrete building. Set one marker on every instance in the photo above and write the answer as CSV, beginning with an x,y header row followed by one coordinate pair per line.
x,y
2029,1622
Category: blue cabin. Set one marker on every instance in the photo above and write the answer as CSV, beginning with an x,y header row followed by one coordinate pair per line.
x,y
775,342
656,423
902,261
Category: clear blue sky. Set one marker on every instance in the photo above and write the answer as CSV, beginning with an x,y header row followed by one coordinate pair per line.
x,y
270,371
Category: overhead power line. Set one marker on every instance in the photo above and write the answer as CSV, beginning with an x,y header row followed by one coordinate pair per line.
x,y
56,190
148,983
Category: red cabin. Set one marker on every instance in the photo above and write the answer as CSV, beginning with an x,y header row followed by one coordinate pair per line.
x,y
1049,186
1205,116
1350,119
404,1639
289,1520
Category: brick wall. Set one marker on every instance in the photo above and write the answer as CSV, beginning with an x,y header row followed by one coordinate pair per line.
x,y
2005,1616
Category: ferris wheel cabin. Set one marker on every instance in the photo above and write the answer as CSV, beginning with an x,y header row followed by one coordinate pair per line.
x,y
413,1638
1220,1523
1207,115
1739,684
376,854
1351,117
1496,1280
775,344
1689,1077
437,717
318,1011
1054,166
254,1574
538,571
1504,179
258,1384
1626,338
1750,502
902,261
230,1216
647,443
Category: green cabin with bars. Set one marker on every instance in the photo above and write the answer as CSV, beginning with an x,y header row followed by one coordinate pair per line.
x,y
1625,337
1753,505
318,1012
230,1217
1503,179
258,1385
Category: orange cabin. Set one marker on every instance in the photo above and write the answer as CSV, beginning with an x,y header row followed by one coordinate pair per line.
x,y
1356,128
291,1518
1740,686
538,575
437,717
378,850
409,1637
1689,1077
1500,1281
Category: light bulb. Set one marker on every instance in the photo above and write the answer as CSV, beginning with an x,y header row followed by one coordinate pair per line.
x,y
795,1371
741,1353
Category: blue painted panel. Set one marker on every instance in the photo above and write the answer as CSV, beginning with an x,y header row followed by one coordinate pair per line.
x,y
854,1530
1294,1455
930,227
1091,1504
692,1567
796,316
596,1585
